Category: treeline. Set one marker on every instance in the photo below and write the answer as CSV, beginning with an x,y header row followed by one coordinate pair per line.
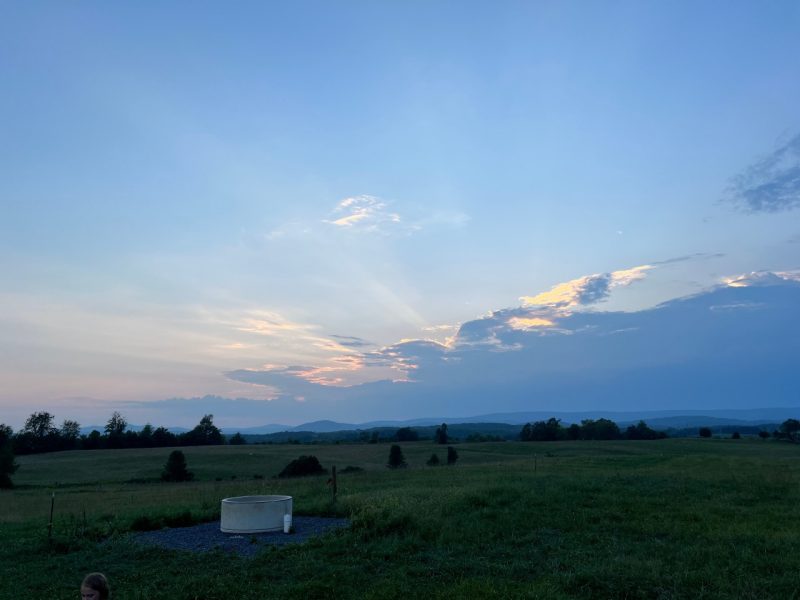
x,y
40,434
589,429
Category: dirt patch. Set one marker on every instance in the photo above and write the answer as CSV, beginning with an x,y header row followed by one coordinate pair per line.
x,y
207,536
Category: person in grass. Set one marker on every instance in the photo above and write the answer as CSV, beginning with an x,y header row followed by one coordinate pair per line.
x,y
95,587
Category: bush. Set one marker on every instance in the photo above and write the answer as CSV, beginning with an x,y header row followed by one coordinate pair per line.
x,y
175,469
736,435
763,434
704,432
396,459
441,437
351,469
433,461
302,466
237,439
452,455
7,464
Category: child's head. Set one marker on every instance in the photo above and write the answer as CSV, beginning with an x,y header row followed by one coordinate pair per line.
x,y
94,587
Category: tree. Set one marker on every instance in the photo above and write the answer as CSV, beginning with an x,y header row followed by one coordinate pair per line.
x,y
205,433
7,465
763,434
175,468
433,461
237,439
396,459
162,437
641,431
146,436
39,424
704,432
601,429
736,435
574,432
70,433
452,455
440,437
406,434
115,430
38,435
543,431
116,424
93,441
790,430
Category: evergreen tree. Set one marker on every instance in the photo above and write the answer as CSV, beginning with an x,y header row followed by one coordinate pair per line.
x,y
433,461
396,459
452,455
7,465
440,437
175,468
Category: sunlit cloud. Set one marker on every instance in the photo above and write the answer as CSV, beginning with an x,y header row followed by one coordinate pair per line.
x,y
586,290
365,212
525,323
270,323
759,278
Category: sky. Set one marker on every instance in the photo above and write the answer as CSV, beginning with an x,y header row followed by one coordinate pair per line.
x,y
282,212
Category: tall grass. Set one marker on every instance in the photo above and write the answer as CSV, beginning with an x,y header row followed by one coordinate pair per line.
x,y
659,519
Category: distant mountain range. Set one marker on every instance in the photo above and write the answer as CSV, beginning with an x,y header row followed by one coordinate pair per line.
x,y
662,419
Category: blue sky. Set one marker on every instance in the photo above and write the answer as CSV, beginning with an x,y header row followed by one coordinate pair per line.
x,y
267,200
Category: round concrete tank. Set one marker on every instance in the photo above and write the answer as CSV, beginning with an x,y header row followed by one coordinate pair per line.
x,y
254,514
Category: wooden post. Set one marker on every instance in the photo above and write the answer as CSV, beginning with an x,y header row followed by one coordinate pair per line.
x,y
50,525
333,482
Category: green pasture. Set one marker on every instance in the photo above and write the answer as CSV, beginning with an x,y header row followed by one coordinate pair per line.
x,y
675,518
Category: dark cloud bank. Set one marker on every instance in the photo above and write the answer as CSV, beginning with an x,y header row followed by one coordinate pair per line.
x,y
731,347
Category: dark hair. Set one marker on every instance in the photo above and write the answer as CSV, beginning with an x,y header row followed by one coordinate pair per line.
x,y
98,583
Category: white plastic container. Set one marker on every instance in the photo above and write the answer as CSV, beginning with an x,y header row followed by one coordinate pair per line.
x,y
255,514
287,523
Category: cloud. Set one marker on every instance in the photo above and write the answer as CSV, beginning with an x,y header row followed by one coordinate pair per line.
x,y
729,346
688,257
270,324
762,278
772,184
351,342
586,290
364,213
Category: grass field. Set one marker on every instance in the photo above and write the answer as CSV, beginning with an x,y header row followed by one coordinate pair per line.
x,y
670,518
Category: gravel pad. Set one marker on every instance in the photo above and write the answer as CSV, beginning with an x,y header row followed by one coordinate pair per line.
x,y
207,536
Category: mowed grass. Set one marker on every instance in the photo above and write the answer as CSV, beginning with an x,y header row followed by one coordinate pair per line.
x,y
655,519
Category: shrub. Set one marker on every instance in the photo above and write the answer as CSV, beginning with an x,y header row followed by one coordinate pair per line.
x,y
736,435
302,466
175,469
7,464
704,432
396,459
433,461
351,469
452,455
763,434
